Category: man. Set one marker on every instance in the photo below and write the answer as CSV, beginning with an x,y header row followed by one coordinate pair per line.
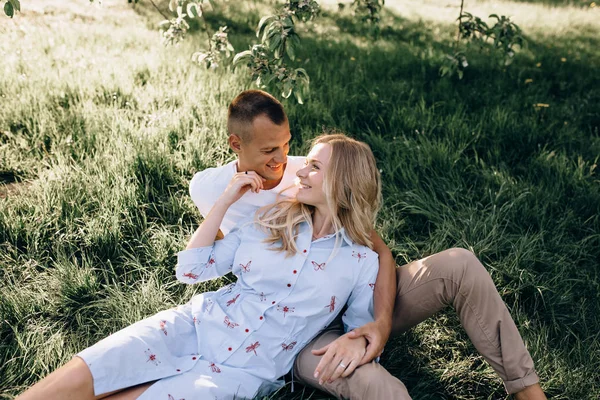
x,y
259,134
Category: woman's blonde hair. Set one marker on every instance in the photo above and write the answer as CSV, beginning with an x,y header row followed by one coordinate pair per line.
x,y
352,187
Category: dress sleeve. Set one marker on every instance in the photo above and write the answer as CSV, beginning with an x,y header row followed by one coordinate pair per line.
x,y
204,263
360,303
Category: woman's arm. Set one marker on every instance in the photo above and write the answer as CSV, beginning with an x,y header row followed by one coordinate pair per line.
x,y
207,231
202,259
378,332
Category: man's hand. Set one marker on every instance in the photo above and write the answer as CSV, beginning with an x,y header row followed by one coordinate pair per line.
x,y
340,358
376,333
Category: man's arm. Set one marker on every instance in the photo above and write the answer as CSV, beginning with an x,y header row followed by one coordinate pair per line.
x,y
378,332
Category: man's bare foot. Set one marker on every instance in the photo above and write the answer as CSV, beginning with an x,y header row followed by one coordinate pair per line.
x,y
533,392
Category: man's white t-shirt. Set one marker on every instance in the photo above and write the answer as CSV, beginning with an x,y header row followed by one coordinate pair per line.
x,y
208,185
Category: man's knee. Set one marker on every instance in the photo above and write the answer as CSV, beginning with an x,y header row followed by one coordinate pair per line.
x,y
304,366
368,374
461,263
306,362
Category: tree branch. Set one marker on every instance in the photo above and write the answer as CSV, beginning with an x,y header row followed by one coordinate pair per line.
x,y
462,3
158,9
206,26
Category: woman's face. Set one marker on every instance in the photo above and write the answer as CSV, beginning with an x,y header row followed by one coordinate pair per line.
x,y
311,176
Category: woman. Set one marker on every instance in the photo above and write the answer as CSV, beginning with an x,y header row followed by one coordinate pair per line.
x,y
297,264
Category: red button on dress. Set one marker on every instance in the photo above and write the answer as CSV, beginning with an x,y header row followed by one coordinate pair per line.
x,y
178,370
304,251
230,349
295,271
247,330
289,285
193,358
261,317
273,302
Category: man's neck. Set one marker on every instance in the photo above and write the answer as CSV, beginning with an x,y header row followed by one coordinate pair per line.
x,y
268,185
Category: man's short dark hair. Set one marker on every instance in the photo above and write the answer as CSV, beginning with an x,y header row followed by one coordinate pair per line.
x,y
247,106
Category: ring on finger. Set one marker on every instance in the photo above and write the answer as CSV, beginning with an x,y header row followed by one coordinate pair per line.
x,y
342,365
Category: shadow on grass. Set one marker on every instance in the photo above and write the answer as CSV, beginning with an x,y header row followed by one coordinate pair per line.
x,y
519,128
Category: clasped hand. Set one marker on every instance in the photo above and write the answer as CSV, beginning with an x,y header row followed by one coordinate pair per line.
x,y
342,356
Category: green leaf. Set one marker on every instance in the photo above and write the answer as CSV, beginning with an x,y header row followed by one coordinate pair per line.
x,y
298,96
172,5
274,45
286,91
261,23
302,75
16,4
8,9
291,52
241,57
193,10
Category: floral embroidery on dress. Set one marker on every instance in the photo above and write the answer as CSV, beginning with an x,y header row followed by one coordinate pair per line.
x,y
214,368
232,301
318,266
230,324
209,305
151,357
246,267
190,275
253,347
211,262
331,304
288,347
285,309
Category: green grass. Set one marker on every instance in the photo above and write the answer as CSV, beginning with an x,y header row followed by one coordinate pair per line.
x,y
101,129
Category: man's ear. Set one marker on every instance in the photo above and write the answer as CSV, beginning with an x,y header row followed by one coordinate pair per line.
x,y
235,143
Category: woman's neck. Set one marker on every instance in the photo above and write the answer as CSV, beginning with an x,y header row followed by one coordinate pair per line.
x,y
322,223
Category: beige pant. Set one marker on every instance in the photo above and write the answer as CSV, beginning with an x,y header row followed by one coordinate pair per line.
x,y
453,277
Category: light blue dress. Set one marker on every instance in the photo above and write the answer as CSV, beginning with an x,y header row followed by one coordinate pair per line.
x,y
236,342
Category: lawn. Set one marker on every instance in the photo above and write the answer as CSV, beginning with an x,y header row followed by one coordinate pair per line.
x,y
102,127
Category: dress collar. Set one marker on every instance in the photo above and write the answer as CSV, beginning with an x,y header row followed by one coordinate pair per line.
x,y
341,232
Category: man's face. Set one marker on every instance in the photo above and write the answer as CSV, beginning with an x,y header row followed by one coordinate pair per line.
x,y
266,152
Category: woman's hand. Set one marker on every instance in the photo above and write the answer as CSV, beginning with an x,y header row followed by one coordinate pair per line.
x,y
340,358
240,184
